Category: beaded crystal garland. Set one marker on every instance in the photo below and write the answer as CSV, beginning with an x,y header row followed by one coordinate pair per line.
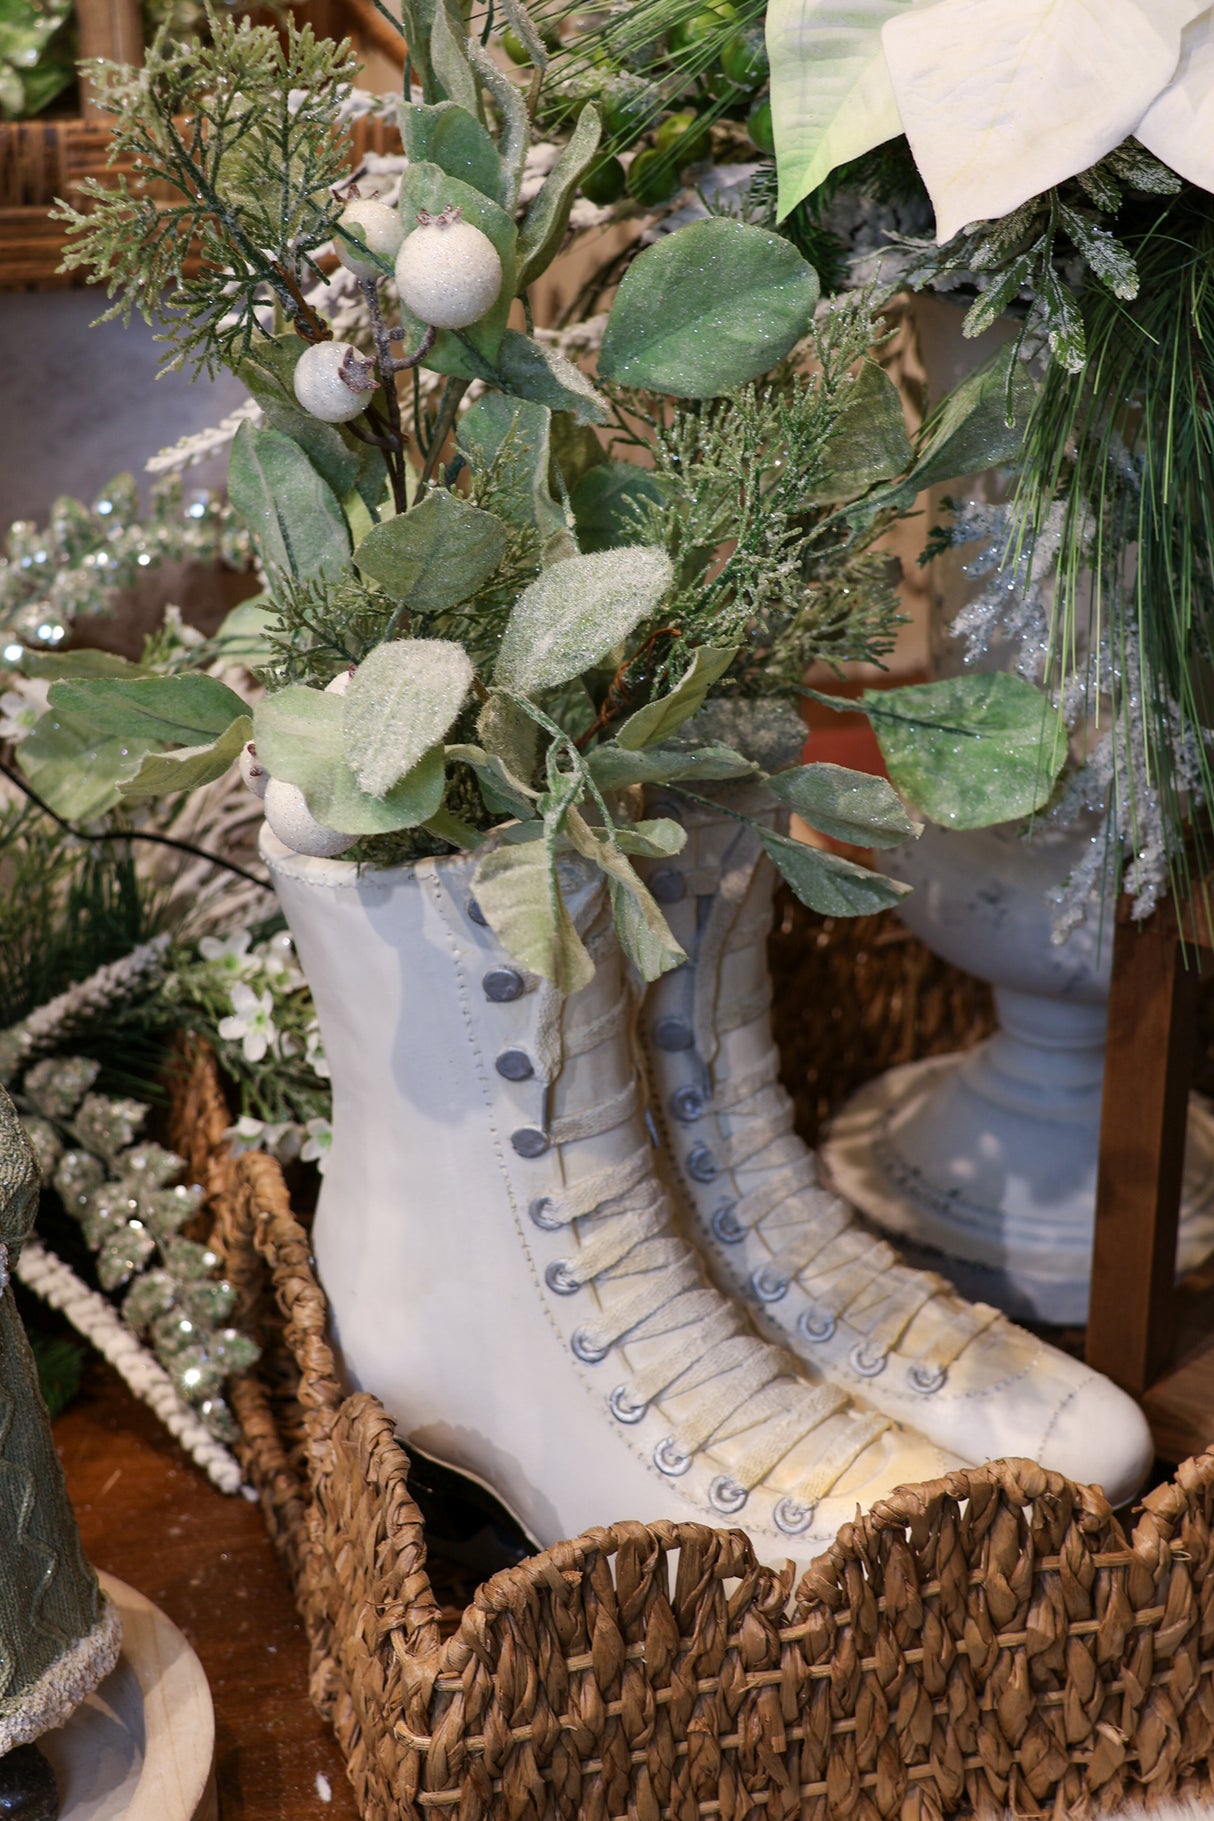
x,y
76,563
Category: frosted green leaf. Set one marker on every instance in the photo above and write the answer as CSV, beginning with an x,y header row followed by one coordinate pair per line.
x,y
189,710
575,612
868,444
189,766
849,805
503,792
1003,99
615,768
707,309
509,734
299,738
657,838
401,701
547,218
73,768
512,437
292,513
452,138
243,638
604,502
970,433
658,720
450,60
645,936
969,751
525,369
828,883
831,99
516,887
436,555
56,666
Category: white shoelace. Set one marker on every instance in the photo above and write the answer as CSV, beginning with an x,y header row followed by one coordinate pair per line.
x,y
816,1239
738,1396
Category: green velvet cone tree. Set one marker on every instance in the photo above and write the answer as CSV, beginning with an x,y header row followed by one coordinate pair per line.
x,y
59,1635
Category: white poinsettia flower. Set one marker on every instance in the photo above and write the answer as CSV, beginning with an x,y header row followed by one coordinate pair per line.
x,y
1000,99
22,706
252,1022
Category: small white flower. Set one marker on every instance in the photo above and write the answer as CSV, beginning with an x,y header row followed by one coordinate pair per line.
x,y
317,1061
22,706
229,955
252,1022
278,960
248,1134
319,1143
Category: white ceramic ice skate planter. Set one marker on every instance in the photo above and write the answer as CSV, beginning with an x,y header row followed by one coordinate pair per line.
x,y
989,1157
498,1253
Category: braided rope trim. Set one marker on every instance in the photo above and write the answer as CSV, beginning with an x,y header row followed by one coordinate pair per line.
x,y
70,1679
95,1320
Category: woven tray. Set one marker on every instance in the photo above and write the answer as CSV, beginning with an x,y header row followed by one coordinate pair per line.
x,y
981,1643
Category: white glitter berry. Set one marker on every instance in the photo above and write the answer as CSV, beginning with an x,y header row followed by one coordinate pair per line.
x,y
297,828
381,229
320,386
448,273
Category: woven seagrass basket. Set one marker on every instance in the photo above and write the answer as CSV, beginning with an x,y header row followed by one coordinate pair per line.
x,y
986,1643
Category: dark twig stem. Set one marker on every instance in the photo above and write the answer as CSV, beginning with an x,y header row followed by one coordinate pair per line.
x,y
453,392
129,834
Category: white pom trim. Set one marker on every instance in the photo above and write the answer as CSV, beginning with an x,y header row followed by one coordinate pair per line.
x,y
97,1322
69,1680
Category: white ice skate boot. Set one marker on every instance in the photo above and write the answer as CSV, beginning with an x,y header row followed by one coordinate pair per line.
x,y
498,1250
812,1276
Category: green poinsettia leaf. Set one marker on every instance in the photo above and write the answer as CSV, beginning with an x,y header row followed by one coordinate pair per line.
x,y
575,612
658,720
517,889
189,767
849,805
707,309
435,556
298,732
400,702
827,883
291,512
191,710
969,751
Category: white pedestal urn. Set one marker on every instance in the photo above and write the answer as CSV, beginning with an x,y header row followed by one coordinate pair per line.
x,y
989,1157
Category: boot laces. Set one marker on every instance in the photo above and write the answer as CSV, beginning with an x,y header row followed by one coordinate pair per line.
x,y
737,1396
816,1239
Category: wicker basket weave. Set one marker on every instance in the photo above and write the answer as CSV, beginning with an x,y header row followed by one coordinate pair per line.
x,y
985,1643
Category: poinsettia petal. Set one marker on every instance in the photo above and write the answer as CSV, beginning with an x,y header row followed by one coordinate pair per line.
x,y
1179,126
831,98
1000,99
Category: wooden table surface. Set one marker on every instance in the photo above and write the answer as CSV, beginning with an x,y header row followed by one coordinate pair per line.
x,y
150,1517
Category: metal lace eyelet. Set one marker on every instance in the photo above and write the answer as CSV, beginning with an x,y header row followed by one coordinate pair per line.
x,y
668,885
529,1141
726,1225
817,1324
540,1216
670,1459
768,1285
702,1166
476,914
726,1496
558,1279
687,1104
501,985
794,1518
589,1352
621,1409
673,1034
926,1379
867,1364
